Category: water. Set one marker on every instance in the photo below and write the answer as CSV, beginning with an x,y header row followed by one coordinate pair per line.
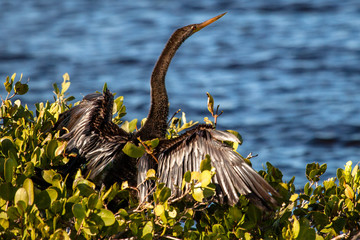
x,y
285,73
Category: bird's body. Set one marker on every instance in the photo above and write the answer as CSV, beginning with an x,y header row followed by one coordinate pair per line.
x,y
99,142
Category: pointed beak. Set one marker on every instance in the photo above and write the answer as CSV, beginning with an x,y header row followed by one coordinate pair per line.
x,y
207,22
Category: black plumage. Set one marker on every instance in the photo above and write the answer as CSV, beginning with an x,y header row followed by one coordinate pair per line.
x,y
99,142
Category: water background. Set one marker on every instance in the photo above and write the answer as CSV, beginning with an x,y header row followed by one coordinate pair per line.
x,y
285,73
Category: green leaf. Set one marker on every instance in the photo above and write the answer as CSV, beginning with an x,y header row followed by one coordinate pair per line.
x,y
129,126
122,212
85,187
8,147
93,201
29,169
21,88
218,228
107,217
111,193
133,151
56,89
21,195
133,227
8,84
78,211
13,213
60,234
44,199
51,148
29,187
148,230
235,213
165,193
105,87
48,175
209,190
4,224
7,191
9,169
205,164
57,206
187,176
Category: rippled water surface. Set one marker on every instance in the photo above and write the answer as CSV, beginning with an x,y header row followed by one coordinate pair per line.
x,y
285,73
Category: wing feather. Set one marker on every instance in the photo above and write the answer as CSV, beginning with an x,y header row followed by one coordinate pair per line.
x,y
233,175
97,140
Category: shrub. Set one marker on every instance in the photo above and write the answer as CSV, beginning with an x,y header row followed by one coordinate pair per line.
x,y
46,207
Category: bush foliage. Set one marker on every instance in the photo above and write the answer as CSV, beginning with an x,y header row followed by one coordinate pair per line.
x,y
78,210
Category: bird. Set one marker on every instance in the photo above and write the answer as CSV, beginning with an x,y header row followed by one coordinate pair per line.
x,y
98,142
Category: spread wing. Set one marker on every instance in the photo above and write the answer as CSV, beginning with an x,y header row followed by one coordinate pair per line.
x,y
97,140
233,175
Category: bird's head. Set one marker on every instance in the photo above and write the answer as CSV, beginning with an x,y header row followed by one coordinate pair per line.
x,y
193,28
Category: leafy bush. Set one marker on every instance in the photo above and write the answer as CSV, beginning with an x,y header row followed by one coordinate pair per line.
x,y
78,210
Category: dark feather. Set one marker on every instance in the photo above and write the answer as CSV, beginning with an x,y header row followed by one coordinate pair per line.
x,y
233,175
94,137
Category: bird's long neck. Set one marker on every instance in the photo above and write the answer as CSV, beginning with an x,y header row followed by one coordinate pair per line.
x,y
156,124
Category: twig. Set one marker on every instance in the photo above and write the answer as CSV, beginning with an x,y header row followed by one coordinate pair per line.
x,y
148,151
173,116
170,237
182,196
216,115
341,236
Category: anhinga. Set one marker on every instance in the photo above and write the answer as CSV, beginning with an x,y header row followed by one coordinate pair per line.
x,y
93,135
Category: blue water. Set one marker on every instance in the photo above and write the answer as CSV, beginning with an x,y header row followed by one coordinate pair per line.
x,y
285,73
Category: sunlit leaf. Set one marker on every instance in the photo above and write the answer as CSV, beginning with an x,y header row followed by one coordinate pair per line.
x,y
205,178
132,150
65,84
296,227
151,174
28,185
210,103
349,193
8,84
124,185
107,216
294,197
60,234
148,230
159,209
198,194
21,195
218,228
